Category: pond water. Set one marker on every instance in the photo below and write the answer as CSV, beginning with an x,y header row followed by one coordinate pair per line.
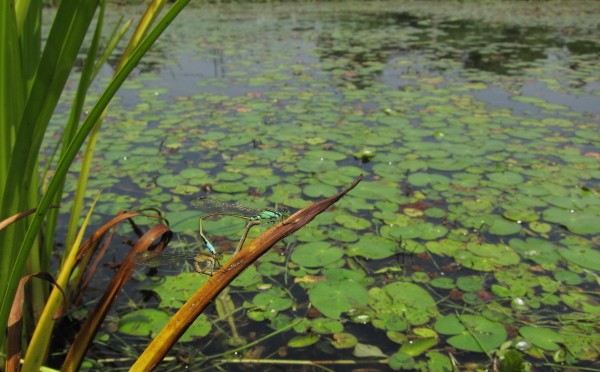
x,y
474,231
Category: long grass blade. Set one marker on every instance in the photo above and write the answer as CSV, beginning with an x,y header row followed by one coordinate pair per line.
x,y
88,156
87,76
9,286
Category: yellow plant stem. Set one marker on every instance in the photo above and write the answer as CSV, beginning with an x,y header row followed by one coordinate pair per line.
x,y
41,336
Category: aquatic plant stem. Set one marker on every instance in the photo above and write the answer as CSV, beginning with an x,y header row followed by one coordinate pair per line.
x,y
245,235
186,315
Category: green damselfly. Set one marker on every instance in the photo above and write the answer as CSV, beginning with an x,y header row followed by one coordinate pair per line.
x,y
216,207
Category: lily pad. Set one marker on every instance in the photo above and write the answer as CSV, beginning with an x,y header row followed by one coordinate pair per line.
x,y
319,190
144,322
402,300
272,300
423,179
540,227
469,283
376,191
500,226
449,164
344,340
169,181
332,297
418,346
542,337
438,362
576,221
368,351
567,277
487,257
539,251
303,341
582,256
520,215
506,178
174,291
374,247
352,222
230,187
325,326
443,283
472,332
343,235
316,254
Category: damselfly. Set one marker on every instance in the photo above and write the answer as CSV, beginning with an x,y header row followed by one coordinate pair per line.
x,y
203,263
214,207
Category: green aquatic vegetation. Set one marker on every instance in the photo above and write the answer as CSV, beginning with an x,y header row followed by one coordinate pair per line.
x,y
145,322
577,221
267,304
542,337
316,254
537,250
400,304
334,297
467,204
585,257
471,332
373,247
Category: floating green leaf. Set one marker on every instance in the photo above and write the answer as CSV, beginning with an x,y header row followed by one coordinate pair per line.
x,y
174,291
344,340
487,257
272,300
539,251
332,297
374,247
169,181
520,215
402,300
542,337
579,222
582,256
402,361
368,351
471,332
250,277
438,362
230,187
423,179
443,283
144,322
326,326
540,227
581,302
319,190
418,346
449,164
506,178
303,341
469,283
316,254
343,235
352,222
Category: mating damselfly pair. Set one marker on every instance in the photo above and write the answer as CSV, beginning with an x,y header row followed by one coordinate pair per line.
x,y
205,263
